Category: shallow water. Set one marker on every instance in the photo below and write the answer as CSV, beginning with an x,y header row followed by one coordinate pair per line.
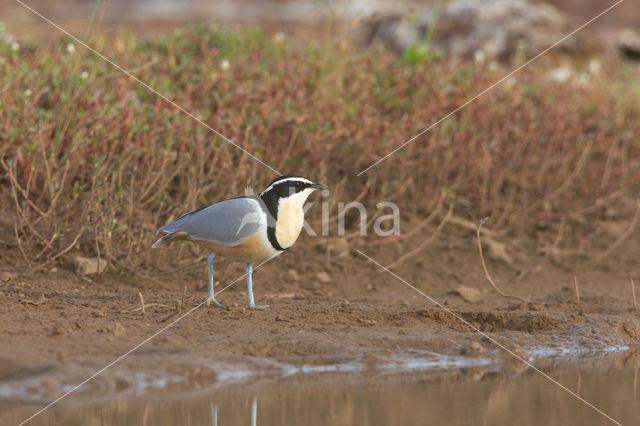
x,y
475,395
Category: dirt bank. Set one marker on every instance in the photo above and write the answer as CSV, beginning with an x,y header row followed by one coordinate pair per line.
x,y
57,328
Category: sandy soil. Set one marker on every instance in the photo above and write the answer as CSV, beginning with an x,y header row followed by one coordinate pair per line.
x,y
57,328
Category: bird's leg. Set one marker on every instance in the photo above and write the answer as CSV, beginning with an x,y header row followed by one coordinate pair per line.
x,y
254,411
249,272
214,414
211,298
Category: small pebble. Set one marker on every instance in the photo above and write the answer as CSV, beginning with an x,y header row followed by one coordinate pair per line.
x,y
514,365
293,275
118,330
468,294
58,330
323,277
97,313
474,348
89,266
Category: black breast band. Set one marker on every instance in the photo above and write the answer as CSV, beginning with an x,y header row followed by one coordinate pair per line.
x,y
271,234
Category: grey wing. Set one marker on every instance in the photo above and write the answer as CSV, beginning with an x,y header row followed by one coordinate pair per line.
x,y
226,223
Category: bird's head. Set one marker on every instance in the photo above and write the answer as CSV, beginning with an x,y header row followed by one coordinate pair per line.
x,y
291,186
290,190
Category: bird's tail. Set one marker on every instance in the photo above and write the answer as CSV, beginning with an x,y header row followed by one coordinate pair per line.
x,y
161,240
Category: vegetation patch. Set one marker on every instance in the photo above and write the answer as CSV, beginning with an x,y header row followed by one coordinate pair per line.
x,y
91,161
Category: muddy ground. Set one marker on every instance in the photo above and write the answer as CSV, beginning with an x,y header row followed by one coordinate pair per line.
x,y
328,310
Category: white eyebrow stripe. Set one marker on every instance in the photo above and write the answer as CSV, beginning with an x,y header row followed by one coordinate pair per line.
x,y
291,179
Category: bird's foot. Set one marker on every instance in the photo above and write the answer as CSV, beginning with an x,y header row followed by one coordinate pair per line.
x,y
255,307
213,300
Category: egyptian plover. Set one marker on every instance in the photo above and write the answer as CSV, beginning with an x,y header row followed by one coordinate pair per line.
x,y
247,229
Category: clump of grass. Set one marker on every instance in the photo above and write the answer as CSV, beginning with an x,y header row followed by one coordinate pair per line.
x,y
94,162
419,52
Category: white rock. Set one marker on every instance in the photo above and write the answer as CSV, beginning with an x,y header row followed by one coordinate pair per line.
x,y
89,266
468,294
323,277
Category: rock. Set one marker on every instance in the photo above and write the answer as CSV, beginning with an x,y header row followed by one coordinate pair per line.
x,y
58,330
118,329
474,348
468,294
293,275
323,277
89,266
518,351
629,44
515,361
497,250
97,313
631,329
469,29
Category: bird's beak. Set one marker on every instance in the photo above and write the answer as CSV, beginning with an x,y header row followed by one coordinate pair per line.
x,y
319,186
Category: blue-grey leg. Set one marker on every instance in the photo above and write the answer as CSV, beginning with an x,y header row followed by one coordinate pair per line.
x,y
249,273
254,411
211,298
214,414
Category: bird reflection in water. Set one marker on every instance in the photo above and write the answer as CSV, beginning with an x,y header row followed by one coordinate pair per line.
x,y
254,412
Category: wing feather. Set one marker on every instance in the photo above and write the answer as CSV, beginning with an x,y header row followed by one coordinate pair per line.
x,y
226,223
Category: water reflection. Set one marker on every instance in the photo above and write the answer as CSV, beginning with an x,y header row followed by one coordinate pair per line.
x,y
453,397
254,412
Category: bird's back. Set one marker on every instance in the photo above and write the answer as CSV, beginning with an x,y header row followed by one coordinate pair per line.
x,y
225,223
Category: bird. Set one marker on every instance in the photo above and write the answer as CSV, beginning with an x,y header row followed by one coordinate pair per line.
x,y
247,229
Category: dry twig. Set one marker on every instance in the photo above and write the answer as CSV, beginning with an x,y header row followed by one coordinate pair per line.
x,y
142,303
184,295
624,235
42,301
148,305
577,290
171,315
178,308
487,275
